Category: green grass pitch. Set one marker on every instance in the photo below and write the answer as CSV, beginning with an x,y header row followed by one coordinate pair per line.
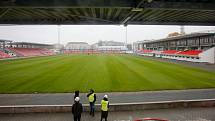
x,y
104,73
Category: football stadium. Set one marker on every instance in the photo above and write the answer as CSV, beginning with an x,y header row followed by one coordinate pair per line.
x,y
138,60
102,72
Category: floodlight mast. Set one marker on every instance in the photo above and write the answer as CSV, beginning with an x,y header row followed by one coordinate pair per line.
x,y
58,34
126,36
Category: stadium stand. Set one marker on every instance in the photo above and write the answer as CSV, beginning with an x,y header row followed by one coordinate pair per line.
x,y
72,51
93,51
146,52
194,47
187,55
30,52
208,55
190,52
47,52
4,55
170,52
173,52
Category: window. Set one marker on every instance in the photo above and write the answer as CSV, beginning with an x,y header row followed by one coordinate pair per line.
x,y
197,41
206,40
172,43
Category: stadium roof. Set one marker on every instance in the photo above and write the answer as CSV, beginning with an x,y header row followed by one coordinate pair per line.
x,y
115,12
29,43
180,37
77,43
1,40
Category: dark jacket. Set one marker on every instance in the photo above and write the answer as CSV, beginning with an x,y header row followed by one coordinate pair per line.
x,y
94,96
77,109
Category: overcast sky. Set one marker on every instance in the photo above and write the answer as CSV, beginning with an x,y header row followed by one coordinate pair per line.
x,y
90,33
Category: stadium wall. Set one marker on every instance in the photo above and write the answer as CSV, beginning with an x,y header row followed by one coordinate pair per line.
x,y
208,56
113,107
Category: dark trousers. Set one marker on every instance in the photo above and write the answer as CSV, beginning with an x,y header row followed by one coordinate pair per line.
x,y
77,118
92,108
104,115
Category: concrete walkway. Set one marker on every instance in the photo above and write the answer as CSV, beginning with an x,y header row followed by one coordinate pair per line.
x,y
120,97
188,114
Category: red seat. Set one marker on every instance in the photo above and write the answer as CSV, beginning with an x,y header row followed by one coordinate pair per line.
x,y
190,52
28,52
145,51
47,52
170,52
4,55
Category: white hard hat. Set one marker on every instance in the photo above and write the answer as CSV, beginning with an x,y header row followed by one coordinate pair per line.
x,y
105,96
77,99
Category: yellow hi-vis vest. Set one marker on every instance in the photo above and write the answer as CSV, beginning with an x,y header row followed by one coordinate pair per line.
x,y
104,105
91,97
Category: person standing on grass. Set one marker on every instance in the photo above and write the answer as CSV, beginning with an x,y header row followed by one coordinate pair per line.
x,y
104,108
92,99
77,109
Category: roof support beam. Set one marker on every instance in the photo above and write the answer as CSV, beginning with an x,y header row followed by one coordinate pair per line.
x,y
178,12
172,23
158,4
4,12
67,3
93,12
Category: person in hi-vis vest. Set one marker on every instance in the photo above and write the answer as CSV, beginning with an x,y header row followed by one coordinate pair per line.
x,y
104,108
92,99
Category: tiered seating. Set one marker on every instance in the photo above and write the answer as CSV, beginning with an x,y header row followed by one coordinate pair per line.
x,y
112,51
4,55
29,52
92,51
146,51
190,52
170,52
47,52
72,51
188,55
